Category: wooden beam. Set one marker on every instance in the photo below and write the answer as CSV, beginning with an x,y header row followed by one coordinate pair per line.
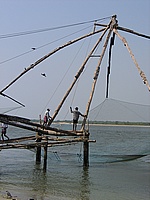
x,y
133,32
17,140
11,120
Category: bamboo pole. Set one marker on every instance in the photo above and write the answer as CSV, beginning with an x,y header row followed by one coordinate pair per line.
x,y
133,32
126,30
113,23
17,140
145,81
86,134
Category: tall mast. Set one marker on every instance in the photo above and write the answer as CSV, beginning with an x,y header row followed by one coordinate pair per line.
x,y
112,25
78,75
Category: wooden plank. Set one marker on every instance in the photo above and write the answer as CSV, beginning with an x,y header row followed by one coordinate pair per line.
x,y
36,127
16,140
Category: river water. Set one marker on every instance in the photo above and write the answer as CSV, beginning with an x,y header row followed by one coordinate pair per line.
x,y
115,172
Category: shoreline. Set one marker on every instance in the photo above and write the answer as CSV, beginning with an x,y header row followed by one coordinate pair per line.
x,y
94,124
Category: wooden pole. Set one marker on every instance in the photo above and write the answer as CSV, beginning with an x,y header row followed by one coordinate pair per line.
x,y
38,149
78,75
86,136
86,151
113,23
45,158
38,155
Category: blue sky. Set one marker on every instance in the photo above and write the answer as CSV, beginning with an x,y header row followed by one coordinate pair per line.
x,y
38,92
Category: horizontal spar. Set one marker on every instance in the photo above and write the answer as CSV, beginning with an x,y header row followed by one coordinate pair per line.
x,y
36,127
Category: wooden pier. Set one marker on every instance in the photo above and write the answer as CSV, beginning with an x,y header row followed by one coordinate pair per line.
x,y
43,137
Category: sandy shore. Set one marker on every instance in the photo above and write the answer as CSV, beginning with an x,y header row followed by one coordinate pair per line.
x,y
2,198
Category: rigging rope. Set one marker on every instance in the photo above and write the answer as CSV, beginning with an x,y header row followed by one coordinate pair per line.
x,y
64,78
49,43
50,29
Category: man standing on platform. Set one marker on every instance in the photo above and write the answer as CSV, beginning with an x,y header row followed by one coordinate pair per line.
x,y
76,115
47,117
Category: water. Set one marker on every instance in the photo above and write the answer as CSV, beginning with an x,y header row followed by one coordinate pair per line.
x,y
110,175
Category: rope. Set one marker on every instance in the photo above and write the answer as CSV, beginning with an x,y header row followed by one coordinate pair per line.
x,y
64,78
50,29
49,43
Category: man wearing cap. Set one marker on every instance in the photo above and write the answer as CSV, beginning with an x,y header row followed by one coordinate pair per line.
x,y
76,115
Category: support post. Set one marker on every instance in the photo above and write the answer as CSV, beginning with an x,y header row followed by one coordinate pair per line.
x,y
38,149
45,158
38,155
86,151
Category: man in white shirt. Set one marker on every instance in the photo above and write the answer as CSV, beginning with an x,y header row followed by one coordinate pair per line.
x,y
47,117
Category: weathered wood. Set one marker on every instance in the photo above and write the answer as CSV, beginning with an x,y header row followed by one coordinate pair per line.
x,y
17,140
11,120
22,146
126,30
45,158
38,149
59,141
133,32
86,152
97,72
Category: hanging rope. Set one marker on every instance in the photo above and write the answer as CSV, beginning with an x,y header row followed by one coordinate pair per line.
x,y
145,81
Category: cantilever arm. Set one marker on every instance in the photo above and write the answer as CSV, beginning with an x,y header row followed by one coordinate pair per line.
x,y
48,55
133,32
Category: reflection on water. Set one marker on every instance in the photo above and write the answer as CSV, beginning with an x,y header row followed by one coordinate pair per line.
x,y
85,184
67,179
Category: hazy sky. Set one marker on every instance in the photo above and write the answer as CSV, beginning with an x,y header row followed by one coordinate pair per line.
x,y
38,92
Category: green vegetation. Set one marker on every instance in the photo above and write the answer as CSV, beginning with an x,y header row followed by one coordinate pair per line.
x,y
110,123
104,122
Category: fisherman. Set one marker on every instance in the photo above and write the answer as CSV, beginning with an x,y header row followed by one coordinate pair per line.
x,y
76,115
4,130
47,117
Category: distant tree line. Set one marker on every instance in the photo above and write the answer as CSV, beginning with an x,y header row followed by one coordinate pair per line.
x,y
110,122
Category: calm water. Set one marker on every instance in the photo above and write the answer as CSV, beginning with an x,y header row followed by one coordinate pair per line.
x,y
109,177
